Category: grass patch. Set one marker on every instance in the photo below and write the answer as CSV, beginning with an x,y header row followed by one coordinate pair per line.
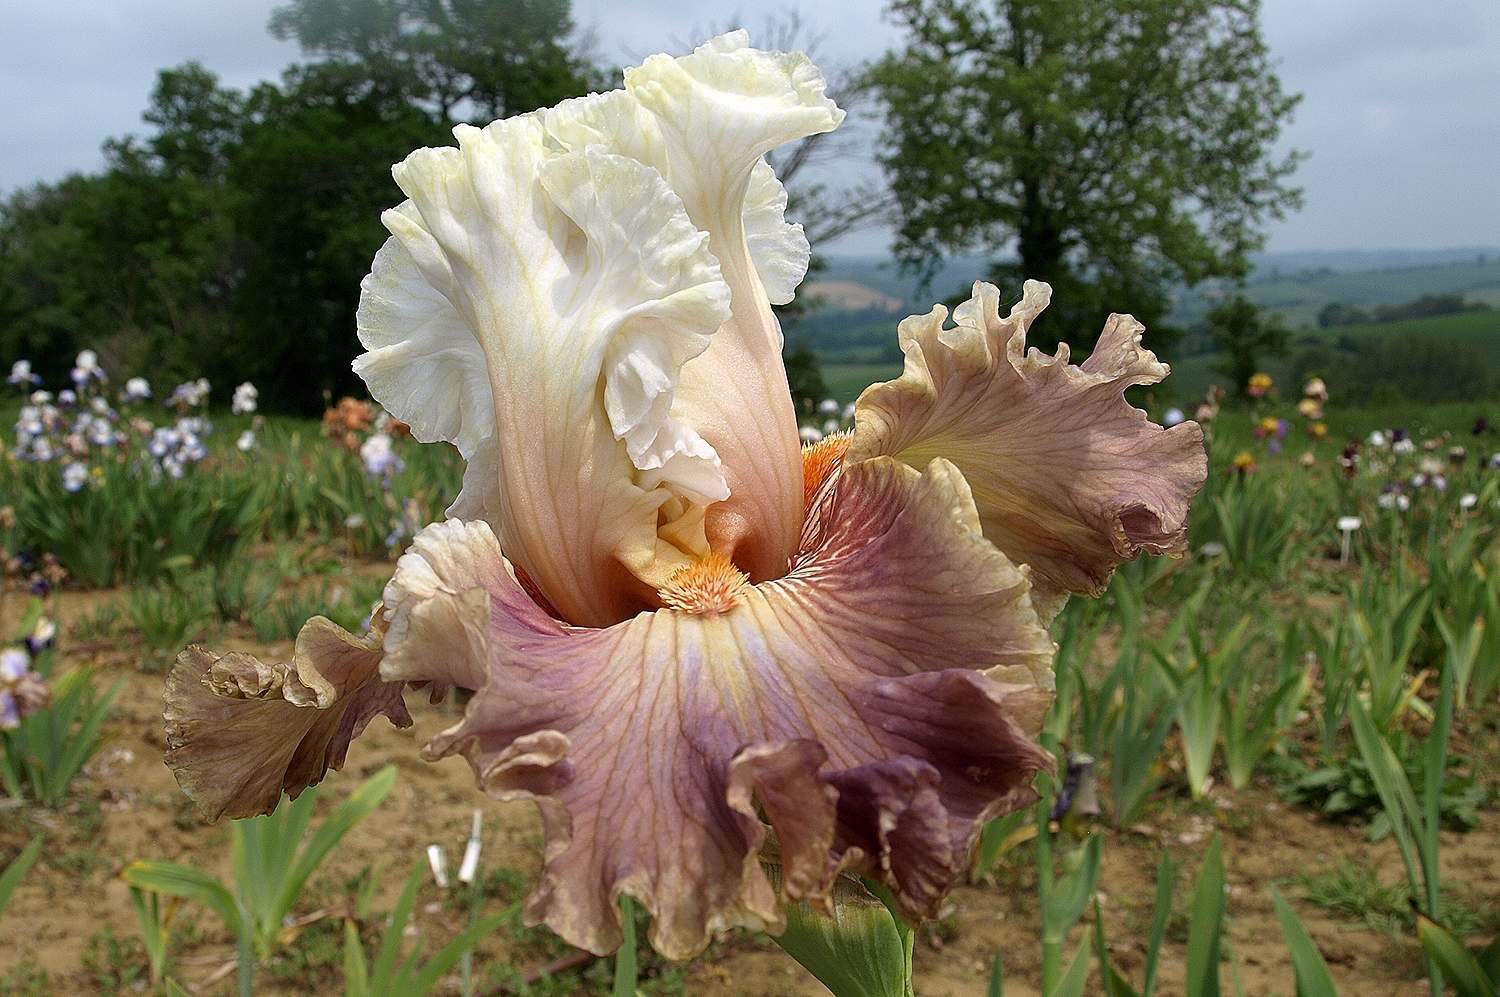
x,y
1356,892
846,381
1191,375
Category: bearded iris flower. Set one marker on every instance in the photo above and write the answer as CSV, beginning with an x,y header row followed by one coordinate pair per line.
x,y
686,634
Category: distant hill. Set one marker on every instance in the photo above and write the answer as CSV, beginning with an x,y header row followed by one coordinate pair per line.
x,y
1474,337
957,273
884,275
1300,295
1296,284
854,331
848,295
1272,265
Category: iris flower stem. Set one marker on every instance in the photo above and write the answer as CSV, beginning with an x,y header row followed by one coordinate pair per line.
x,y
625,971
246,974
1045,876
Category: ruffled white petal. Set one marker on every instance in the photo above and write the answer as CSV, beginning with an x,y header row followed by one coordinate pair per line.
x,y
655,299
556,300
584,288
719,110
618,123
778,249
614,122
420,349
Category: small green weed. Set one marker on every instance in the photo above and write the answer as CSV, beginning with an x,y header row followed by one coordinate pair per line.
x,y
280,618
241,587
26,980
114,962
315,960
169,617
102,623
1346,791
1357,892
346,602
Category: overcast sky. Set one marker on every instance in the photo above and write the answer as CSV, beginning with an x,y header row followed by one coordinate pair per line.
x,y
1401,112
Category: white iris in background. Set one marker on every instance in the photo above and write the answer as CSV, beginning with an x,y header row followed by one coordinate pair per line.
x,y
75,476
85,367
21,375
244,399
380,459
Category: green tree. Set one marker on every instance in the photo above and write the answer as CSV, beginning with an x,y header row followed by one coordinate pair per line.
x,y
197,123
311,175
1336,313
1115,147
231,240
312,169
139,263
471,60
805,377
1242,330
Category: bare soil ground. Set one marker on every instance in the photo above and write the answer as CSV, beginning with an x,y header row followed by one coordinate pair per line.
x,y
73,920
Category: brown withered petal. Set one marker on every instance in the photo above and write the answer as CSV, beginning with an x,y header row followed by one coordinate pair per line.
x,y
240,731
32,693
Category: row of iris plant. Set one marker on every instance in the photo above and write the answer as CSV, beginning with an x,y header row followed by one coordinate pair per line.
x,y
1346,710
120,490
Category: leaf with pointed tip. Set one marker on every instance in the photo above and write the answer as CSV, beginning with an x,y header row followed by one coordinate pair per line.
x,y
1208,924
1458,965
1313,978
17,870
1071,984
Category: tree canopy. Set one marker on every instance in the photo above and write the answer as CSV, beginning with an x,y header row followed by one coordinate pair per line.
x,y
462,59
1246,335
230,242
1114,147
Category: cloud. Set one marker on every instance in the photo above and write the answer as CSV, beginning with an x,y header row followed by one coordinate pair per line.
x,y
1400,116
844,31
1324,37
1399,111
75,72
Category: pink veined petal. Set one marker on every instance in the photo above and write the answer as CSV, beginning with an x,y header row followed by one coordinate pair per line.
x,y
848,699
1068,477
